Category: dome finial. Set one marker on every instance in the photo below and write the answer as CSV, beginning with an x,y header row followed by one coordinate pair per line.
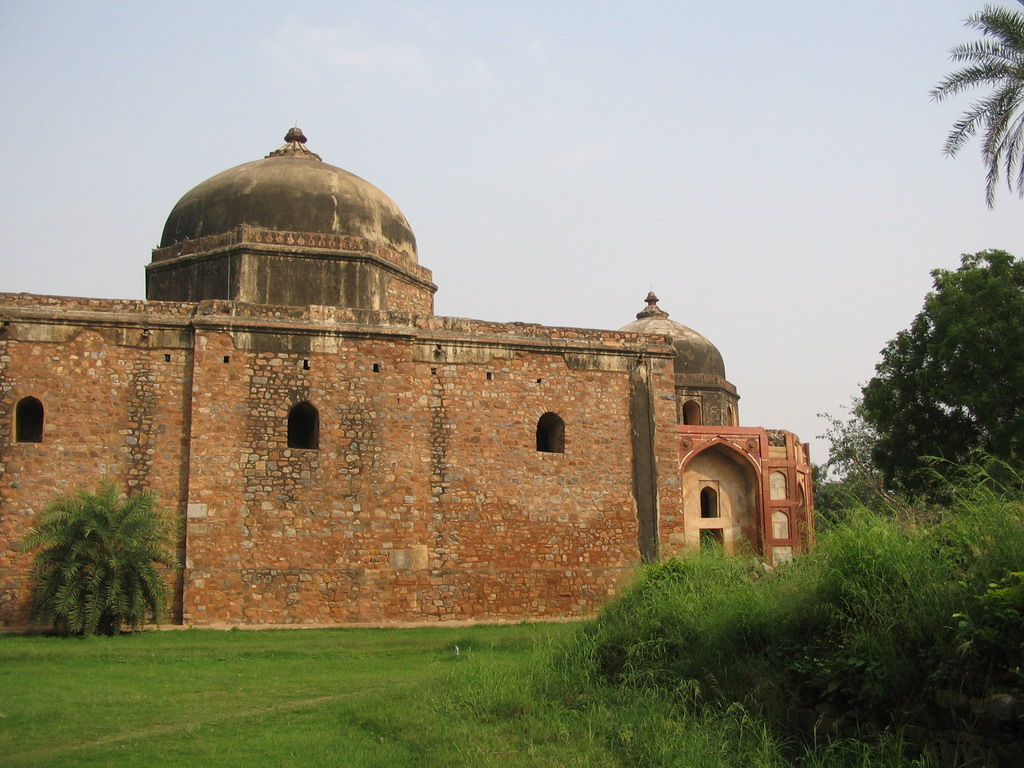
x,y
652,309
295,146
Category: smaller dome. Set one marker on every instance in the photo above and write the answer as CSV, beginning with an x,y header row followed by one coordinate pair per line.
x,y
694,353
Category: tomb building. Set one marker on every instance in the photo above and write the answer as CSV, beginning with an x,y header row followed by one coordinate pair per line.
x,y
340,454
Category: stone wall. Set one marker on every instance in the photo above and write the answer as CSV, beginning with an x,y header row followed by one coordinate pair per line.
x,y
290,268
112,411
426,498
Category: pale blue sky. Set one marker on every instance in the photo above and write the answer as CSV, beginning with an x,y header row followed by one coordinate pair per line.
x,y
772,170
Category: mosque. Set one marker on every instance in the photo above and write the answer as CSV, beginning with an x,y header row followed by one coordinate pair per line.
x,y
340,454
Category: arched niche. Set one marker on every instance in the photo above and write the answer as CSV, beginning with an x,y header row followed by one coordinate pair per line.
x,y
780,524
778,488
551,433
28,420
709,502
736,485
304,426
692,413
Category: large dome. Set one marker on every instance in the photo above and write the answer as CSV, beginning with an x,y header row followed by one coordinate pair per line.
x,y
695,355
291,190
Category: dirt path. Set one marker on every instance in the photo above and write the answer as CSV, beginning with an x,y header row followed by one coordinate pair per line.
x,y
192,724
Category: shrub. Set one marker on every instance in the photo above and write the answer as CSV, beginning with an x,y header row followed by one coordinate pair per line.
x,y
991,635
861,624
879,600
696,629
983,531
97,563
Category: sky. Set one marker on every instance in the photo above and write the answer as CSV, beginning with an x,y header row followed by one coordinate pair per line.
x,y
773,171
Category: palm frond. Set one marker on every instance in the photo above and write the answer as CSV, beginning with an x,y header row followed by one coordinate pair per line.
x,y
965,79
996,62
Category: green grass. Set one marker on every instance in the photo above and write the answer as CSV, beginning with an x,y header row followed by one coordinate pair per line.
x,y
354,697
349,697
728,663
512,696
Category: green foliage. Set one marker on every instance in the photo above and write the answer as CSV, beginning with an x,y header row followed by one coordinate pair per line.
x,y
848,625
866,625
951,386
96,568
982,532
674,623
1001,610
996,62
876,605
984,537
556,698
993,637
849,478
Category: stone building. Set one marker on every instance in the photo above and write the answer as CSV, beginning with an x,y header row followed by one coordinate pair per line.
x,y
339,453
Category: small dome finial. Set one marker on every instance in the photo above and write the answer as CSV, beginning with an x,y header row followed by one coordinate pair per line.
x,y
652,308
295,146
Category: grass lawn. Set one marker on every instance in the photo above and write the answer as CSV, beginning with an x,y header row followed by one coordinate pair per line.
x,y
326,697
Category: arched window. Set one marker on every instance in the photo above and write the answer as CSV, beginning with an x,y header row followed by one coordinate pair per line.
x,y
691,412
777,486
551,434
303,426
730,417
780,525
28,421
708,502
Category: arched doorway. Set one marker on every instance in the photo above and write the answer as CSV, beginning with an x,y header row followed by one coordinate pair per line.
x,y
722,500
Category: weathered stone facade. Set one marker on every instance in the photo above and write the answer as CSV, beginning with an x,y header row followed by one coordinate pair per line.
x,y
426,497
362,460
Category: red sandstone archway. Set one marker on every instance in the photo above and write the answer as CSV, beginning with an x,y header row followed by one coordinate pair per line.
x,y
736,482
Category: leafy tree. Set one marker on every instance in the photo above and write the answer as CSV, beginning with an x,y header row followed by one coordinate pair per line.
x,y
951,386
850,476
96,568
995,62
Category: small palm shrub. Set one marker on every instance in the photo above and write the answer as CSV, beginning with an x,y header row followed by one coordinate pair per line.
x,y
97,563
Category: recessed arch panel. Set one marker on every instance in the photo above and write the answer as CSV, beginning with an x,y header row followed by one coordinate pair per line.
x,y
692,413
735,482
778,488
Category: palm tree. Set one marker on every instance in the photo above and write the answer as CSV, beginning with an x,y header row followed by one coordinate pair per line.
x,y
97,565
996,62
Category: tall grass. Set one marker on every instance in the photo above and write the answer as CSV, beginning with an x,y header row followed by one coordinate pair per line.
x,y
555,702
872,615
715,660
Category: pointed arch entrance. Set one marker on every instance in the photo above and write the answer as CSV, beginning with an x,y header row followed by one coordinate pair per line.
x,y
725,475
